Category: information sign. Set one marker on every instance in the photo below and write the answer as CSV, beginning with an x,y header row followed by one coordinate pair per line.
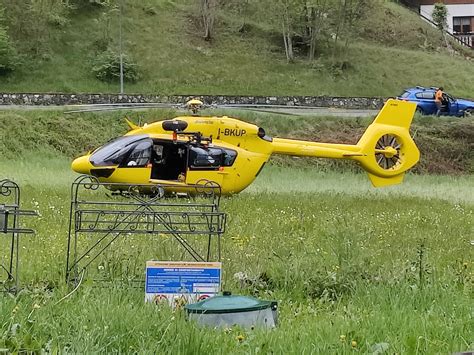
x,y
180,282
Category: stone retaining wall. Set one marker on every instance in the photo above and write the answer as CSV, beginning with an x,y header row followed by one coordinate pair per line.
x,y
58,99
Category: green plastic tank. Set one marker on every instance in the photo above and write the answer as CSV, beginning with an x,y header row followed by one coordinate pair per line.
x,y
229,310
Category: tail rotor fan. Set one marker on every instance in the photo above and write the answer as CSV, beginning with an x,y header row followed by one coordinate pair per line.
x,y
387,152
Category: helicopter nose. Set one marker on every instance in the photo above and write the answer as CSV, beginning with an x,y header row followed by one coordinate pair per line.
x,y
81,165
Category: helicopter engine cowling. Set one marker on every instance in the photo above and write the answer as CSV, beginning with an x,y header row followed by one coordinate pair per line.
x,y
174,125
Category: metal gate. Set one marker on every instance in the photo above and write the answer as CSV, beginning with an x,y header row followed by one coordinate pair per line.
x,y
10,228
115,228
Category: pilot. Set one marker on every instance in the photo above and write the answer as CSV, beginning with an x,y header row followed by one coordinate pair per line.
x,y
158,149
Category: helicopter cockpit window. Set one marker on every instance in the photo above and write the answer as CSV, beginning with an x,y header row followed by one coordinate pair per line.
x,y
140,155
114,152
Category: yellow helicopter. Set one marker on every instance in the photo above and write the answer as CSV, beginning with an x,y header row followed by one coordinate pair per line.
x,y
188,151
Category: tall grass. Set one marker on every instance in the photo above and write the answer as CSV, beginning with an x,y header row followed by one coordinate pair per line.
x,y
282,180
353,269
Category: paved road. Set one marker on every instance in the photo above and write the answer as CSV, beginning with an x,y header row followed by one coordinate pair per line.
x,y
319,111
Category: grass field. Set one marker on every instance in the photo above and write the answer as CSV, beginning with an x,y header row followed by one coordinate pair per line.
x,y
354,270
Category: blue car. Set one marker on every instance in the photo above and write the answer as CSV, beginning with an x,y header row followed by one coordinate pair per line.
x,y
424,99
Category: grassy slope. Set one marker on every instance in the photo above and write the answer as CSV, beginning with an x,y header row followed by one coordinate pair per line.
x,y
174,59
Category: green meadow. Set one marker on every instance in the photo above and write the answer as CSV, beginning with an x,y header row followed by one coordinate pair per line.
x,y
354,269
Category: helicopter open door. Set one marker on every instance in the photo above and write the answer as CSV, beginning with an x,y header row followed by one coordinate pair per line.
x,y
169,161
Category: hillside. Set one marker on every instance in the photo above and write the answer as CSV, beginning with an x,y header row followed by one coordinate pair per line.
x,y
446,145
390,49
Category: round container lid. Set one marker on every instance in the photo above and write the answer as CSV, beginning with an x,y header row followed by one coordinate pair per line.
x,y
227,303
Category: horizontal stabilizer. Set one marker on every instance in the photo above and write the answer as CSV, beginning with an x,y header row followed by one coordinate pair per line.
x,y
131,124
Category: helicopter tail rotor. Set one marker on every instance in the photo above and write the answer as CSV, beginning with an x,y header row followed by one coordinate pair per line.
x,y
387,148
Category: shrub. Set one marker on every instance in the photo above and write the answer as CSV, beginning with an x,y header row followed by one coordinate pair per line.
x,y
440,15
8,56
106,67
95,3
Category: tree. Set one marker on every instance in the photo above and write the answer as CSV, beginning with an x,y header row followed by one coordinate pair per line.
x,y
8,55
316,12
208,14
440,18
241,9
31,22
288,15
345,17
440,15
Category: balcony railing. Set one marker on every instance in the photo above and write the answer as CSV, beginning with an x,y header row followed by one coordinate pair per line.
x,y
466,39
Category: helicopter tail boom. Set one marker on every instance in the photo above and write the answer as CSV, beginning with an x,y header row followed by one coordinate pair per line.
x,y
385,150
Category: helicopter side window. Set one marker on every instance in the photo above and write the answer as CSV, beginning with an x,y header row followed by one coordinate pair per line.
x,y
209,158
140,155
229,157
114,152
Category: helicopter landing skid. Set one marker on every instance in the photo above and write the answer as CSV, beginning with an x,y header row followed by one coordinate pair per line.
x,y
111,239
10,213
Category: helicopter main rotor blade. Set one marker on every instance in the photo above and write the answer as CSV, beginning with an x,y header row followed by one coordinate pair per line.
x,y
262,110
130,104
270,106
117,107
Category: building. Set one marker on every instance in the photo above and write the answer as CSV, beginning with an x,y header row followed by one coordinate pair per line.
x,y
460,17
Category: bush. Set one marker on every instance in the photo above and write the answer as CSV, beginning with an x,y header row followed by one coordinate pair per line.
x,y
94,3
8,56
106,67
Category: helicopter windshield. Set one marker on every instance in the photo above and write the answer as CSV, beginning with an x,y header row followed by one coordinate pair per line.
x,y
114,152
